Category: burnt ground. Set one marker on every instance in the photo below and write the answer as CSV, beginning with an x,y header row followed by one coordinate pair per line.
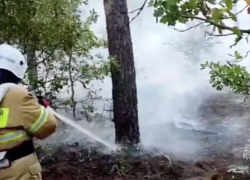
x,y
222,148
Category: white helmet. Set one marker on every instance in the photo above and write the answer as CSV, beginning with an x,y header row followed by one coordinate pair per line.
x,y
13,60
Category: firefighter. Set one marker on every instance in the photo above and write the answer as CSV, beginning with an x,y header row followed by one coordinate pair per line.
x,y
21,119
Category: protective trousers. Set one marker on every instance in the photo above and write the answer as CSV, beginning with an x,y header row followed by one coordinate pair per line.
x,y
26,168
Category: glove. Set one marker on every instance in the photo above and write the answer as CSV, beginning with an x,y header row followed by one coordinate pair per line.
x,y
44,102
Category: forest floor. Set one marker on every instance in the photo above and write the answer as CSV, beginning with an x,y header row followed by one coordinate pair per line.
x,y
220,153
72,166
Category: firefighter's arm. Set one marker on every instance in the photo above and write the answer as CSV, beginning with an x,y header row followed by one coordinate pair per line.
x,y
36,118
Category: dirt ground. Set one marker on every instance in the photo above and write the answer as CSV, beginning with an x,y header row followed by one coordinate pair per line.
x,y
73,166
79,164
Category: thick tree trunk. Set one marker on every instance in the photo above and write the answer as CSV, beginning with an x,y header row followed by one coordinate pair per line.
x,y
123,74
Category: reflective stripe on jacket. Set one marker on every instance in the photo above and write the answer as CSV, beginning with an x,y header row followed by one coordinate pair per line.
x,y
22,118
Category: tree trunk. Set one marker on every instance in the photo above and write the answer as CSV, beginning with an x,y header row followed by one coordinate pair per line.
x,y
123,73
32,68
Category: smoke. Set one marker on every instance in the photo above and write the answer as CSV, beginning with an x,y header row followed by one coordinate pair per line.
x,y
170,89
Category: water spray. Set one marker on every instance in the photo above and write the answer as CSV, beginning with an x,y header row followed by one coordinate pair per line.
x,y
82,130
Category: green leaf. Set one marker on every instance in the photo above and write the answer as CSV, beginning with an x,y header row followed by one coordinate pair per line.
x,y
164,19
157,3
217,14
192,3
171,2
236,31
232,15
158,13
237,55
229,4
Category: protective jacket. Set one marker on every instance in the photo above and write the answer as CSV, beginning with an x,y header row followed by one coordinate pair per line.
x,y
21,119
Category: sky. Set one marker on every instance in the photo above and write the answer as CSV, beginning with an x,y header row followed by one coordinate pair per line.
x,y
169,89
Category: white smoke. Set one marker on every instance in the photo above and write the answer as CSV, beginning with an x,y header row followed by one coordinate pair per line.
x,y
169,89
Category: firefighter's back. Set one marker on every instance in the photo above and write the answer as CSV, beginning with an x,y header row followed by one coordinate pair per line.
x,y
21,119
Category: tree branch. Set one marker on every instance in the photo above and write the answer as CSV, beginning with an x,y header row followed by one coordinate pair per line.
x,y
211,34
183,30
138,10
215,24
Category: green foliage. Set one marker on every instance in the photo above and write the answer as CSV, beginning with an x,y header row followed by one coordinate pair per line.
x,y
212,14
231,75
172,12
58,47
42,24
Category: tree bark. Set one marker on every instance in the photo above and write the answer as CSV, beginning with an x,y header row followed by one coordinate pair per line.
x,y
123,73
